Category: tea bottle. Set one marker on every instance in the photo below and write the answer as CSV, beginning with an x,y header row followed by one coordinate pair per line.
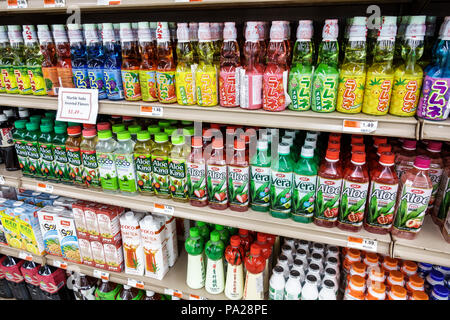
x,y
89,158
185,71
143,161
147,70
165,70
107,290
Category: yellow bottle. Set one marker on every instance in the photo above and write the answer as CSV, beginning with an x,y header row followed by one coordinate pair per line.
x,y
185,71
177,169
143,162
160,165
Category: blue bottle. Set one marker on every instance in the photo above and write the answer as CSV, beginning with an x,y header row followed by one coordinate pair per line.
x,y
440,49
78,56
440,292
113,62
95,59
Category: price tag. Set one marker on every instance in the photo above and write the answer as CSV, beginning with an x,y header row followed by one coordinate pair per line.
x,y
359,126
164,209
77,105
2,180
178,294
54,3
108,2
362,244
135,283
168,291
43,187
14,4
195,297
152,111
101,274
60,264
25,256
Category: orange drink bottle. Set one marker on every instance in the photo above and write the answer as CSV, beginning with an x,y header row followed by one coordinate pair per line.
x,y
165,68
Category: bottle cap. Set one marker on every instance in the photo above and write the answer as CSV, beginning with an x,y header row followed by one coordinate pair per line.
x,y
88,125
90,33
357,138
379,140
441,291
143,31
118,127
388,29
305,30
288,140
307,152
416,28
434,146
46,127
127,118
277,31
384,147
436,275
178,140
396,276
398,291
103,126
422,162
416,281
3,34
204,32
143,135
358,29
161,137
193,31
262,145
29,34
283,148
243,232
359,267
217,143
60,129
134,129
376,272
311,142
239,144
104,134
378,287
59,33
164,123
332,154
20,124
235,240
372,257
90,132
419,295
354,253
74,130
410,265
255,249
162,32
251,31
409,144
197,142
387,158
123,136
358,147
152,129
126,32
215,236
214,28
335,136
107,33
193,232
330,30
357,281
182,32
334,145
229,31
170,130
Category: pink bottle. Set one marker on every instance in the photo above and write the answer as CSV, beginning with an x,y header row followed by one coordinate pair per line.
x,y
276,72
405,158
252,73
433,151
262,41
413,196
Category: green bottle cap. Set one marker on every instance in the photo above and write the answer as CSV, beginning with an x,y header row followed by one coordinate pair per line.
x,y
60,123
170,130
219,227
161,137
46,128
118,127
20,124
173,122
177,140
189,131
164,123
193,232
186,123
215,236
50,114
73,124
47,121
134,129
32,126
59,129
200,223
104,134
143,135
36,118
153,129
123,135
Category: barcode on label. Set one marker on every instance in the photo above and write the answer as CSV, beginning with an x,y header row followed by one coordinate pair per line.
x,y
45,187
14,4
60,264
135,283
359,126
54,3
101,274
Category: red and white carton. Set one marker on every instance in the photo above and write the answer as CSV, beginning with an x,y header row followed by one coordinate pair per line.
x,y
109,223
91,221
98,254
113,256
86,252
80,221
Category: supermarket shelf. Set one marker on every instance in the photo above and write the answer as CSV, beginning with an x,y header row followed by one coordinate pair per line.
x,y
435,130
429,246
10,178
10,251
388,125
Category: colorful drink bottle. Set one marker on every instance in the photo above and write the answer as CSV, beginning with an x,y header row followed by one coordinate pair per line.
x,y
300,75
113,62
95,60
234,254
4,51
194,245
217,183
78,56
275,79
215,279
193,38
165,70
281,185
19,60
254,279
326,76
238,178
130,63
147,71
7,59
185,72
206,73
408,75
196,171
49,61
260,178
64,63
34,59
380,74
352,75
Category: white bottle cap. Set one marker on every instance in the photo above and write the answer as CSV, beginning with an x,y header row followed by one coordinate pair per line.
x,y
307,151
59,33
416,28
23,113
127,287
204,32
193,31
15,34
288,140
150,293
162,32
277,31
229,31
305,30
262,145
251,31
358,29
446,31
261,30
90,32
144,34
312,135
44,34
330,30
182,32
443,25
215,31
284,148
310,142
3,34
29,33
129,215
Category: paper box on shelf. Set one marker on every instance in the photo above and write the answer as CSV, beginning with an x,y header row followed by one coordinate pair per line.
x,y
91,221
47,221
108,223
113,256
99,254
171,237
133,251
86,252
67,234
11,226
30,233
80,220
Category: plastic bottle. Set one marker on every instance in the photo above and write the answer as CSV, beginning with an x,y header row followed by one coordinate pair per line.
x,y
34,59
95,60
147,69
380,73
165,70
112,63
216,170
234,254
433,279
89,158
376,291
277,284
160,165
61,162
310,290
106,164
194,246
15,281
428,42
7,66
78,55
281,185
19,66
325,79
124,160
85,286
216,38
5,52
131,61
412,200
404,160
214,249
32,147
328,291
260,178
352,75
293,288
238,178
130,293
185,71
52,283
46,159
433,151
20,144
74,154
196,172
254,279
29,270
64,63
143,161
49,60
178,187
107,290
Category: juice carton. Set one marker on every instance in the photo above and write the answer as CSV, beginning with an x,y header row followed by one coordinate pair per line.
x,y
98,254
108,223
45,199
47,221
171,237
80,221
86,252
91,221
11,227
67,235
113,256
132,244
31,233
27,196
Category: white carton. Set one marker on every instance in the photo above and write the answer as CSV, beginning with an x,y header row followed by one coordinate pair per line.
x,y
133,250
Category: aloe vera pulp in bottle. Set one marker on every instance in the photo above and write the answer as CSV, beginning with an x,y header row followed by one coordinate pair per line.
x,y
281,183
106,164
160,165
260,178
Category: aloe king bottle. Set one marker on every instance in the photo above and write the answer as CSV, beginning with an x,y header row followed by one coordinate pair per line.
x,y
281,183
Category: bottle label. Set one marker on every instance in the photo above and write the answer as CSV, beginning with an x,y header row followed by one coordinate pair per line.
x,y
90,168
160,168
178,178
185,84
327,199
275,294
6,139
23,80
113,84
147,79
260,186
33,158
143,164
382,199
2,81
9,80
281,191
217,184
251,90
377,93
21,150
447,226
238,185
51,80
300,91
405,93
96,82
80,78
60,163
290,296
435,174
126,172
402,167
324,92
206,83
196,181
131,85
411,208
433,103
443,198
37,81
65,77
304,195
229,88
351,93
353,202
46,160
166,86
74,158
273,92
107,171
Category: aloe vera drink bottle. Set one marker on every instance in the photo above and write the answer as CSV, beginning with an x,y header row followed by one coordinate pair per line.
x,y
194,245
238,178
32,146
89,158
106,164
216,171
281,183
20,144
328,190
404,159
178,187
143,161
61,162
433,151
46,151
305,176
123,157
260,178
215,279
196,174
160,165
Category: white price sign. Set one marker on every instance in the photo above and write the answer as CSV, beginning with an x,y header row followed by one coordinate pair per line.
x,y
108,2
163,208
101,274
359,126
77,105
2,180
25,256
14,4
60,264
54,3
152,111
362,244
135,283
43,187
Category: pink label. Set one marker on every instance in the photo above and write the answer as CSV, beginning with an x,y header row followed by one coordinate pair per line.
x,y
31,275
229,88
53,282
250,90
13,273
273,92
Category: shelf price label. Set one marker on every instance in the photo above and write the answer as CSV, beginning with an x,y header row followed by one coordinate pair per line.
x,y
77,105
101,274
358,126
163,208
135,283
362,244
175,293
54,3
60,264
152,111
14,4
43,187
108,2
195,297
2,179
25,256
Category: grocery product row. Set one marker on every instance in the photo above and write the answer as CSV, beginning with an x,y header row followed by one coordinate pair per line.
x,y
207,64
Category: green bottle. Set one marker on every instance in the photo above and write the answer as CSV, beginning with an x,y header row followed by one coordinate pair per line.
x,y
260,178
8,82
326,76
116,128
143,161
20,144
46,158
163,124
305,176
106,163
224,233
34,59
31,138
61,162
215,279
124,158
281,183
153,129
203,229
194,246
46,120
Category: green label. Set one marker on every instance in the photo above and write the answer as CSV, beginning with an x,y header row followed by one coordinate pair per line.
x,y
61,163
22,155
327,198
353,202
107,171
37,81
143,164
23,80
217,184
126,172
382,198
196,181
74,158
33,158
300,91
238,185
178,178
111,295
147,78
324,92
46,159
281,192
260,186
90,167
160,169
304,195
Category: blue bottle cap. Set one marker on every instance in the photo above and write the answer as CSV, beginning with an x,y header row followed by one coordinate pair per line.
x,y
424,265
437,275
441,291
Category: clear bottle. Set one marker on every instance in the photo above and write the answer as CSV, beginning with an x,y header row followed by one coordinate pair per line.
x,y
112,63
160,165
404,160
281,183
124,159
105,159
89,158
217,177
310,290
185,71
143,161
196,171
178,186
293,288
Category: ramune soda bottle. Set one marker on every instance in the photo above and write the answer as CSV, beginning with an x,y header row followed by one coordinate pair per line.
x,y
439,49
123,157
216,38
435,96
193,38
4,51
194,245
130,63
7,61
305,177
49,60
113,62
165,70
408,75
300,75
352,75
147,71
428,42
215,278
260,175
402,22
326,76
206,73
185,71
281,183
34,61
19,59
78,56
64,63
95,59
